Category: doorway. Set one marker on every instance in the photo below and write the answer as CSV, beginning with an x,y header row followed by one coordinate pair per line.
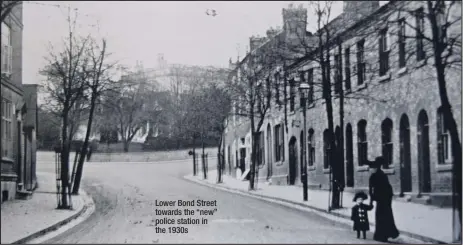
x,y
339,155
349,157
242,160
405,159
269,153
292,161
424,168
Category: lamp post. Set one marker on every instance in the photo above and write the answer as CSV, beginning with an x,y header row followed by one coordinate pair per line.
x,y
304,90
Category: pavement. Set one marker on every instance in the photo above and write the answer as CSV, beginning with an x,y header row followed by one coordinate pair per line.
x,y
26,220
417,223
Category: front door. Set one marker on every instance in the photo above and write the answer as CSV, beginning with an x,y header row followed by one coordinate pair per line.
x,y
292,161
424,172
243,160
405,161
349,157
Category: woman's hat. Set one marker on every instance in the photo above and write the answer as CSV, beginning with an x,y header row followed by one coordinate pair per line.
x,y
360,194
377,163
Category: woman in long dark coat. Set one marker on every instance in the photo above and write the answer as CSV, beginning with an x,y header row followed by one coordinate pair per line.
x,y
381,192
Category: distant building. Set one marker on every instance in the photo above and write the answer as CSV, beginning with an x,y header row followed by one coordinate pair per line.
x,y
18,114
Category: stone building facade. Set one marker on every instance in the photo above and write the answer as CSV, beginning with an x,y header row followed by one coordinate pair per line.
x,y
17,130
391,109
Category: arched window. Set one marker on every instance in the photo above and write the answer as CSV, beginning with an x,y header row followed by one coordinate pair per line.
x,y
386,142
443,139
362,143
311,147
326,149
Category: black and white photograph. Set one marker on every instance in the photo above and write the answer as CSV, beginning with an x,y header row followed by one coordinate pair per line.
x,y
231,122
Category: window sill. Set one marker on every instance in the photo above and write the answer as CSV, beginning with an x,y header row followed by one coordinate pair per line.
x,y
385,78
363,86
279,163
389,170
326,171
311,168
311,105
363,168
7,160
420,63
402,71
447,167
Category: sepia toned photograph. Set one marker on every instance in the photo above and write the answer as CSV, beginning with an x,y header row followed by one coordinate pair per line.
x,y
231,122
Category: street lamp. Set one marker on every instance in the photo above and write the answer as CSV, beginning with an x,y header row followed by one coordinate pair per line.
x,y
304,90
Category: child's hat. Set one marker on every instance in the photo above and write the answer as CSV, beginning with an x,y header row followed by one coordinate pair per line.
x,y
360,194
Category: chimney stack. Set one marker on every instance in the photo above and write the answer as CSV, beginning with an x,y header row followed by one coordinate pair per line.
x,y
255,42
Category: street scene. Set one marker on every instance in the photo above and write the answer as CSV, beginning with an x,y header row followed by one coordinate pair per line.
x,y
304,122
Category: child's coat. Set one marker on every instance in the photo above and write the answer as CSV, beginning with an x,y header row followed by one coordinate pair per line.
x,y
360,217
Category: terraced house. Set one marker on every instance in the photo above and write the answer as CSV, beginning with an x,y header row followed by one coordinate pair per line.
x,y
18,114
382,62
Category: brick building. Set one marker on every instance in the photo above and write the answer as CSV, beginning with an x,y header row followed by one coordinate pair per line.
x,y
391,107
18,114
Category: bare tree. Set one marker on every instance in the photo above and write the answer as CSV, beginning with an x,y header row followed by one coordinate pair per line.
x,y
127,106
97,81
249,92
66,88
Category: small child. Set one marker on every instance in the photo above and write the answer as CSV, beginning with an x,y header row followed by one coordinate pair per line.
x,y
360,214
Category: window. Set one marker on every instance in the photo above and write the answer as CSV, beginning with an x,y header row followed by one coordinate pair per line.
x,y
337,73
277,88
383,52
6,50
401,41
260,150
310,98
311,147
362,143
386,139
269,91
7,134
326,149
292,94
360,62
443,139
347,68
303,79
279,143
441,21
420,54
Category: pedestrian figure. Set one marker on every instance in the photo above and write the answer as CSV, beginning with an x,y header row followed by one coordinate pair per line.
x,y
381,192
360,214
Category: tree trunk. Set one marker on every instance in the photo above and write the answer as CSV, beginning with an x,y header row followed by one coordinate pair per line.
x,y
126,145
449,120
194,155
219,162
64,162
83,150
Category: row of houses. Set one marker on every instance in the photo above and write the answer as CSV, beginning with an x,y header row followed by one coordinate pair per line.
x,y
391,102
18,114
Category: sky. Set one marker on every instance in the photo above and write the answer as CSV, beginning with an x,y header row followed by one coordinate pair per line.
x,y
139,31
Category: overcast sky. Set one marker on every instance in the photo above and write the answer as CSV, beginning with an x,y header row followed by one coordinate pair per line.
x,y
140,30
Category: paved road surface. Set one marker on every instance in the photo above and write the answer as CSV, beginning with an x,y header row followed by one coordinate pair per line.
x,y
125,195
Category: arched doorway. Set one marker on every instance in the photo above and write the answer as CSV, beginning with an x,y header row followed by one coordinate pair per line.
x,y
292,161
349,157
424,168
405,159
269,152
339,154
